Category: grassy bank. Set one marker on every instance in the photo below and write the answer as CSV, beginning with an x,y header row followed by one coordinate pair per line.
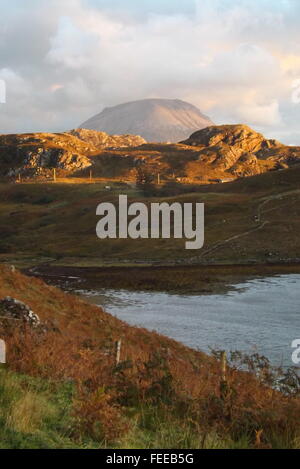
x,y
63,387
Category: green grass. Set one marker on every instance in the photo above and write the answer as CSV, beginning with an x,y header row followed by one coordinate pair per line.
x,y
34,413
37,414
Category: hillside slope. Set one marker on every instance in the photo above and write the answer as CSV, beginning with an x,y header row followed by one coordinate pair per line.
x,y
160,395
37,154
254,219
241,151
156,120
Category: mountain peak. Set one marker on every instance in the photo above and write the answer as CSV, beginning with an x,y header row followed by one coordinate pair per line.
x,y
156,120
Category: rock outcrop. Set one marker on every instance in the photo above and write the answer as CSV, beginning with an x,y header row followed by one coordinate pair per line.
x,y
212,154
239,137
240,150
11,308
36,154
32,155
102,140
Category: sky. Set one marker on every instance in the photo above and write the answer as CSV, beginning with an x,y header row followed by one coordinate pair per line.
x,y
65,60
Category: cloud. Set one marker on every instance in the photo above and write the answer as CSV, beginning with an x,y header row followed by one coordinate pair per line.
x,y
260,114
65,60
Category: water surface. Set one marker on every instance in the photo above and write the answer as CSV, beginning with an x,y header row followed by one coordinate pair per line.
x,y
261,315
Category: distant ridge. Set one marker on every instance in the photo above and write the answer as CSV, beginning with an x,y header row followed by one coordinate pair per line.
x,y
213,154
156,120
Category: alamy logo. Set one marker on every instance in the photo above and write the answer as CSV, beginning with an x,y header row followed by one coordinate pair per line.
x,y
2,92
296,353
137,221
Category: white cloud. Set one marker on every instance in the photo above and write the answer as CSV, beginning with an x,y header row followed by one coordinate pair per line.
x,y
236,60
260,114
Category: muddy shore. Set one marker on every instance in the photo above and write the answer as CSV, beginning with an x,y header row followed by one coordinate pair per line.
x,y
208,279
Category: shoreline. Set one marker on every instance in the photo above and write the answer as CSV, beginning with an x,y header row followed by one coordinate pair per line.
x,y
203,279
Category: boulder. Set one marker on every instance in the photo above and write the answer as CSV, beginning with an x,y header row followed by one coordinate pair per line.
x,y
11,308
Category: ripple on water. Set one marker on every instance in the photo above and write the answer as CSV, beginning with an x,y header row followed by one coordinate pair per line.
x,y
260,315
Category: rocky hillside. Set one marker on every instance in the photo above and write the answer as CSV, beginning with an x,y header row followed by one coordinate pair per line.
x,y
156,120
211,155
101,140
241,151
36,154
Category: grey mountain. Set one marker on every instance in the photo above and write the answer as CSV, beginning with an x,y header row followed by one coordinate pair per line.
x,y
156,120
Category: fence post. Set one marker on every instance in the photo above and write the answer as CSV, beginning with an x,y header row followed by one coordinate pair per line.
x,y
118,351
224,389
2,352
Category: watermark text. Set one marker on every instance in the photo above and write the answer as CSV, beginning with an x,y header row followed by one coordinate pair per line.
x,y
296,353
160,220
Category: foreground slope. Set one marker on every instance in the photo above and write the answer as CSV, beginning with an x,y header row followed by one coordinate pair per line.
x,y
71,392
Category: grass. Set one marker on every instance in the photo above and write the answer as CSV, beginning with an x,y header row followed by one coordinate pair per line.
x,y
34,413
38,414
